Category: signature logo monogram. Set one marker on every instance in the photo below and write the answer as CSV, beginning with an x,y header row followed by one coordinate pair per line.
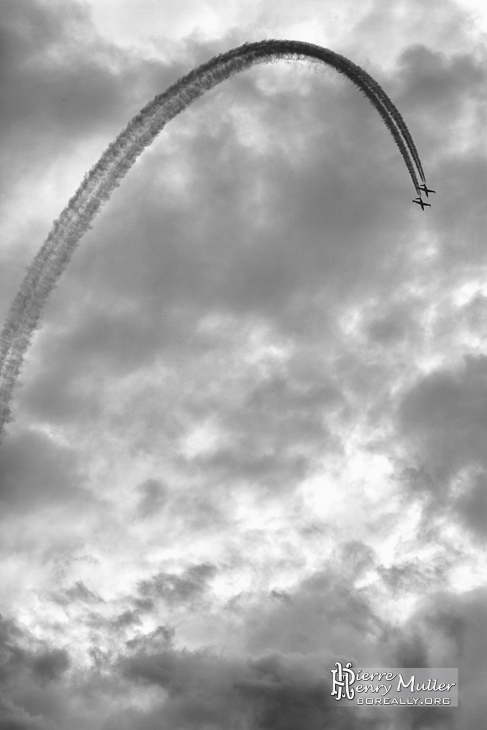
x,y
343,678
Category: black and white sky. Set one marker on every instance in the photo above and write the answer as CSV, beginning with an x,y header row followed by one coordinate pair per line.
x,y
251,434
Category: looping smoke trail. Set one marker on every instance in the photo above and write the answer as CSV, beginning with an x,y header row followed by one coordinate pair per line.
x,y
398,119
51,260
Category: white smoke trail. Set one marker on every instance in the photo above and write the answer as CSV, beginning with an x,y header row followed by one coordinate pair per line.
x,y
49,263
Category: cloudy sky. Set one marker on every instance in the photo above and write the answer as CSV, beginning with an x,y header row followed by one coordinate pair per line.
x,y
250,437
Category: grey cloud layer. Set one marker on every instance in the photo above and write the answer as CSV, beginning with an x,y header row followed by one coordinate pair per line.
x,y
325,243
280,687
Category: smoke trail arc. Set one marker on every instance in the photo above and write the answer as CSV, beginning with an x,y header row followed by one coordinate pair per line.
x,y
395,114
51,260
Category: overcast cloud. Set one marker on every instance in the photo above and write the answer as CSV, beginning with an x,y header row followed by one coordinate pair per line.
x,y
250,435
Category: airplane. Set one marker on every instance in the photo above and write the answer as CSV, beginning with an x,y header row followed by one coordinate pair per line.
x,y
420,202
425,189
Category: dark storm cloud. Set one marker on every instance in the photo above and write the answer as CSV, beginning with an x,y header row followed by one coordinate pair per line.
x,y
411,651
286,681
443,421
275,692
277,687
127,619
436,79
446,630
61,78
282,686
444,416
12,656
275,435
471,505
323,611
408,576
153,497
29,675
42,48
396,325
35,470
161,639
179,589
50,665
79,592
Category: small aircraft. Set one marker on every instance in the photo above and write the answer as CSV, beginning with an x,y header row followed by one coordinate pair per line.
x,y
425,189
421,202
